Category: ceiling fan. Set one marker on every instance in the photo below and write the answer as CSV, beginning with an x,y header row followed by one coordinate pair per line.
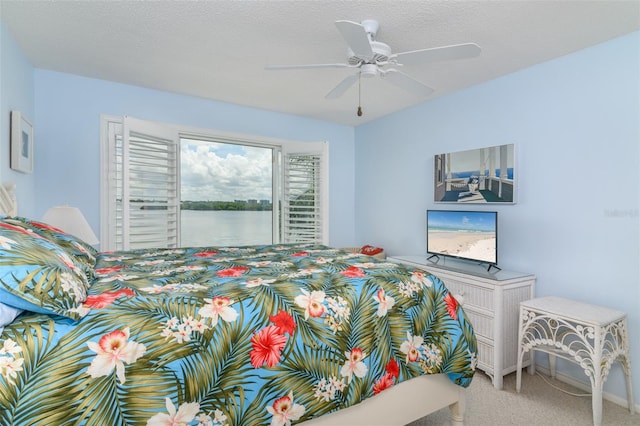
x,y
373,58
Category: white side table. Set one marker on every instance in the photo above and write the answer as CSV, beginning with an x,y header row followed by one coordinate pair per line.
x,y
588,335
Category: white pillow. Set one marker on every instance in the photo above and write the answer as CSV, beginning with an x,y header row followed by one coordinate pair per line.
x,y
7,314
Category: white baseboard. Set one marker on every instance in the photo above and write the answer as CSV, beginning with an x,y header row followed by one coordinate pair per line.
x,y
585,386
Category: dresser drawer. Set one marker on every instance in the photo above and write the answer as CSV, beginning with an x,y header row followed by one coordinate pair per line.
x,y
482,324
480,297
485,356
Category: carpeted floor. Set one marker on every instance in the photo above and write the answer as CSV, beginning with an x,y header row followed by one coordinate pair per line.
x,y
538,404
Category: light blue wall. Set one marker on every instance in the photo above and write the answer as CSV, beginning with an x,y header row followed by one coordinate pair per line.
x,y
16,94
68,110
576,125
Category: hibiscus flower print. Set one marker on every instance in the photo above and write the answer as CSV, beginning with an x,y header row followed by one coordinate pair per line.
x,y
452,306
235,271
284,411
267,346
311,303
108,270
284,322
114,350
393,368
353,272
385,382
207,253
182,416
100,301
218,307
354,366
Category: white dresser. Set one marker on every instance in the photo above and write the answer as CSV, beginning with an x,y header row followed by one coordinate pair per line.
x,y
491,301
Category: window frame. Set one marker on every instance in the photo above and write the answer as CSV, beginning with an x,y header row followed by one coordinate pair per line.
x,y
280,148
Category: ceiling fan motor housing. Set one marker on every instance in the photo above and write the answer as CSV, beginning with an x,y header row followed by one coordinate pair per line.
x,y
381,53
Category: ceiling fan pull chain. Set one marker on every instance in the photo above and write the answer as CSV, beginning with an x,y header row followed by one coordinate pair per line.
x,y
359,106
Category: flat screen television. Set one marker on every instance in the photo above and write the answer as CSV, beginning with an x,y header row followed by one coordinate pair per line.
x,y
469,235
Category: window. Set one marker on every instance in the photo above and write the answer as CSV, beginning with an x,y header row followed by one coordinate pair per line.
x,y
145,192
226,193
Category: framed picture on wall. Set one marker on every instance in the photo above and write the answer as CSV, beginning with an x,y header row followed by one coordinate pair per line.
x,y
483,175
21,143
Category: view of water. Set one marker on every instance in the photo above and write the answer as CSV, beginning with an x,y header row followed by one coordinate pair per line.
x,y
469,173
225,227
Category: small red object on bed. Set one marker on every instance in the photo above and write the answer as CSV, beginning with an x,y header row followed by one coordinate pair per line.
x,y
371,250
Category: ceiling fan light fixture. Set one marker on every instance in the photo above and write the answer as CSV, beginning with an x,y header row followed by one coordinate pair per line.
x,y
369,70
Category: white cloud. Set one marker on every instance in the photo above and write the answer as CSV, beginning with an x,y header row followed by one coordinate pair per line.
x,y
224,172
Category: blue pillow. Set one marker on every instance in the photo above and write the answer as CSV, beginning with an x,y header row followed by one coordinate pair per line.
x,y
38,275
7,315
82,254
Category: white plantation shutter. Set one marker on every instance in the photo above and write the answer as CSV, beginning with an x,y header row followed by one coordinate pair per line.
x,y
140,177
143,188
111,181
304,198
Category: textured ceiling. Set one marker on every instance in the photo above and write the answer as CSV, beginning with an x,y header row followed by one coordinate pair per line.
x,y
219,49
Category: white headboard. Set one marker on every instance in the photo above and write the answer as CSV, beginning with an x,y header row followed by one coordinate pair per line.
x,y
8,203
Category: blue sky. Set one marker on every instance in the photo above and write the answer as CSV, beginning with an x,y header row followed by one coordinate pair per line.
x,y
461,220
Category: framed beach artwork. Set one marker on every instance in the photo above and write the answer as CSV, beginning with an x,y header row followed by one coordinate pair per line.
x,y
21,143
483,175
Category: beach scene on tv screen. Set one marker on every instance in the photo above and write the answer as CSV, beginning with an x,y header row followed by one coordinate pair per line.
x,y
468,235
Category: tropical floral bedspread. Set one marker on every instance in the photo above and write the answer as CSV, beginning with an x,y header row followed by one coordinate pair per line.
x,y
231,336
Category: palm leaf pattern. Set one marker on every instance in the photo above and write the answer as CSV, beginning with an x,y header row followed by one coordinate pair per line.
x,y
254,335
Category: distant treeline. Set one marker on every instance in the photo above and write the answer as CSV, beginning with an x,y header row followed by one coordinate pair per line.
x,y
223,205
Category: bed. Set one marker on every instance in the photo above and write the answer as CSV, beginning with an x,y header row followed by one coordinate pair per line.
x,y
274,334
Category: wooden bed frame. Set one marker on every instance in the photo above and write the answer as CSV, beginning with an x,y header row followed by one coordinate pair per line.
x,y
401,404
398,405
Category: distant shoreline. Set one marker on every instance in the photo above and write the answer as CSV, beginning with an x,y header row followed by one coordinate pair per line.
x,y
239,205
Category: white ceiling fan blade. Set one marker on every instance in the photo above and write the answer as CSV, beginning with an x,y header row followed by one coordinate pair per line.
x,y
445,53
407,83
356,37
342,87
308,66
